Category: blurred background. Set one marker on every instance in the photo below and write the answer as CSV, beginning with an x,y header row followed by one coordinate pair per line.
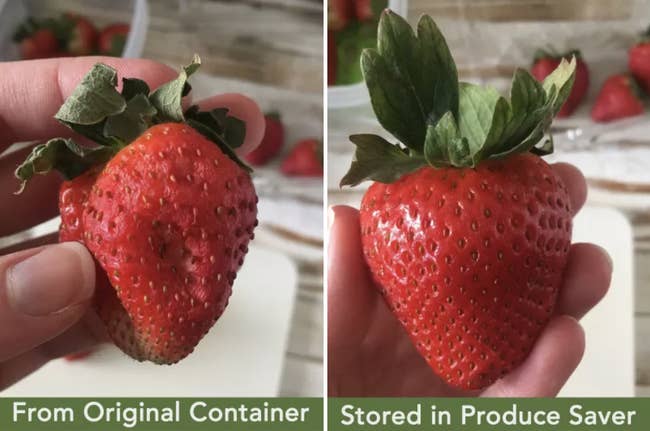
x,y
606,136
269,340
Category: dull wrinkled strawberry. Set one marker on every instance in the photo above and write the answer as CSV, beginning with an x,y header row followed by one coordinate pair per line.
x,y
163,204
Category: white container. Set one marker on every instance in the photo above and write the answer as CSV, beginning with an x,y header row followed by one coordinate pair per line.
x,y
343,96
12,13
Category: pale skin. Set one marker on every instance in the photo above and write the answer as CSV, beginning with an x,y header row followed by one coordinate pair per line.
x,y
60,278
371,355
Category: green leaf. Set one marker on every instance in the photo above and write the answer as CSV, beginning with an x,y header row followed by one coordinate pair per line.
x,y
167,98
235,132
131,87
378,160
412,79
527,99
63,155
209,133
561,79
94,99
501,118
438,139
416,96
131,123
477,108
231,130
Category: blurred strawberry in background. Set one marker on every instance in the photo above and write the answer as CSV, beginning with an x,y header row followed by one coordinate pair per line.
x,y
639,60
304,160
545,62
82,35
272,142
70,34
112,39
339,14
40,44
620,97
352,26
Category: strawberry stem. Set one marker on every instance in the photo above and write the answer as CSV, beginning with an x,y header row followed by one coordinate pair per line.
x,y
439,121
112,120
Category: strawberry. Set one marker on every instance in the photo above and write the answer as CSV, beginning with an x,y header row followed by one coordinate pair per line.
x,y
639,60
271,143
161,201
618,98
545,63
466,230
82,37
339,14
367,10
112,39
304,160
331,58
41,44
363,10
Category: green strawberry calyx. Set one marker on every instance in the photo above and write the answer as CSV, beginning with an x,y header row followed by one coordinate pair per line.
x,y
439,121
112,120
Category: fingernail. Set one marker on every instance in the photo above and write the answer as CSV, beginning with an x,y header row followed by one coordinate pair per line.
x,y
55,278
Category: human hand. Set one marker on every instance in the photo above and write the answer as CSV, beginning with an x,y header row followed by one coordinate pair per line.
x,y
370,354
46,290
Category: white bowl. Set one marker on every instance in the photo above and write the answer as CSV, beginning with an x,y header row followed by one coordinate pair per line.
x,y
13,12
343,96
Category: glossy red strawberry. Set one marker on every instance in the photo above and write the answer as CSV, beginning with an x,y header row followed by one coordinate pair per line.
x,y
112,39
545,63
466,230
82,39
618,98
167,210
272,141
470,261
41,44
304,160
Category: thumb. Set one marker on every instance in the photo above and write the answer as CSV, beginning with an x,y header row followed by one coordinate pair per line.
x,y
43,292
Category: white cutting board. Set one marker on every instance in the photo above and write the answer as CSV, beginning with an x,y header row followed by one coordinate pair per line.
x,y
607,369
241,356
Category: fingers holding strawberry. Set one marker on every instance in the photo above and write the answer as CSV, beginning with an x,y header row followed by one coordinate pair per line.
x,y
466,230
168,208
372,326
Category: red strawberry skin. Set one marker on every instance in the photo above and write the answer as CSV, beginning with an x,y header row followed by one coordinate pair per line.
x,y
470,261
544,66
617,99
168,219
84,36
639,64
304,160
271,144
41,44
